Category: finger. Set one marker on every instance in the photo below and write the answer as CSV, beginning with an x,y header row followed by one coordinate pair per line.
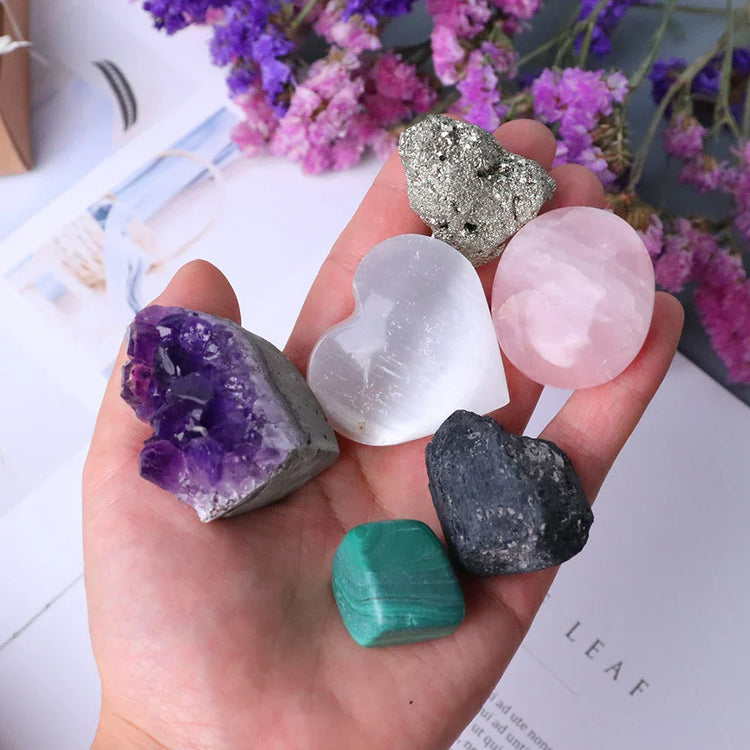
x,y
592,427
385,213
594,424
576,186
197,285
529,138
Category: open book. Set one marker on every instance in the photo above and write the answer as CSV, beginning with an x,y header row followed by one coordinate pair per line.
x,y
641,642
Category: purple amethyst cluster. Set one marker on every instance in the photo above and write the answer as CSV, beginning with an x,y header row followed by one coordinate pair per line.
x,y
235,425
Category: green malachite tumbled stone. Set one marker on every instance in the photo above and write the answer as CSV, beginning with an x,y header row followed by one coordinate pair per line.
x,y
393,584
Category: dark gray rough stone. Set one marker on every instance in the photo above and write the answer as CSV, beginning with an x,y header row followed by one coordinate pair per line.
x,y
467,188
507,503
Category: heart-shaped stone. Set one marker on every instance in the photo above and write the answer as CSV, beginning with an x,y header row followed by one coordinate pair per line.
x,y
419,345
467,188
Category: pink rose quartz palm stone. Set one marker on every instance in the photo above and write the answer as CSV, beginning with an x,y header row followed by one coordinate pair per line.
x,y
573,297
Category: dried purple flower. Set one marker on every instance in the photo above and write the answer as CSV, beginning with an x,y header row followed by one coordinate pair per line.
x,y
704,173
683,138
606,22
663,74
466,18
723,304
325,127
253,134
373,10
353,34
174,15
653,236
522,9
736,181
707,81
577,101
480,95
275,74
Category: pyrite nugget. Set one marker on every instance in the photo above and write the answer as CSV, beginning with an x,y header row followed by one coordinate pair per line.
x,y
467,188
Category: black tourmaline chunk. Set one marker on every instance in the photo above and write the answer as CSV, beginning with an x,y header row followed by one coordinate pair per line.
x,y
507,503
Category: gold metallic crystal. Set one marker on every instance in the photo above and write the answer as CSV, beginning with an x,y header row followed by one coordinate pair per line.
x,y
467,188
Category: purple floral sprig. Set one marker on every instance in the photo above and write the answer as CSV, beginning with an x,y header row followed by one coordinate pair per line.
x,y
690,253
579,103
174,16
606,16
327,109
326,113
705,86
701,100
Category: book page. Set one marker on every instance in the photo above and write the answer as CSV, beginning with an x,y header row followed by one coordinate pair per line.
x,y
642,639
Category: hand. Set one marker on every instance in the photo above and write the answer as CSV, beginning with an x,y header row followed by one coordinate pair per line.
x,y
227,635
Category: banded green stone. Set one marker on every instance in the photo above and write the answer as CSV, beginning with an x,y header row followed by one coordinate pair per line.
x,y
393,584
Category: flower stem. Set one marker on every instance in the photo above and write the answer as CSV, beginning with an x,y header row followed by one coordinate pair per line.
x,y
697,9
570,29
746,112
302,15
590,25
640,75
541,49
682,80
415,54
723,111
446,103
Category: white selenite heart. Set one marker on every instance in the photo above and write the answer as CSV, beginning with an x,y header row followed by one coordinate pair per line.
x,y
419,345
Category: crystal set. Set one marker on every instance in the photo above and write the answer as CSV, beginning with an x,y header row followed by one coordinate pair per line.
x,y
236,426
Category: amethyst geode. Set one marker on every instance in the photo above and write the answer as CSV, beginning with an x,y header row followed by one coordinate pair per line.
x,y
235,425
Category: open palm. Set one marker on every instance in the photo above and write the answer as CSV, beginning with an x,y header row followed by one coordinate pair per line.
x,y
226,635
